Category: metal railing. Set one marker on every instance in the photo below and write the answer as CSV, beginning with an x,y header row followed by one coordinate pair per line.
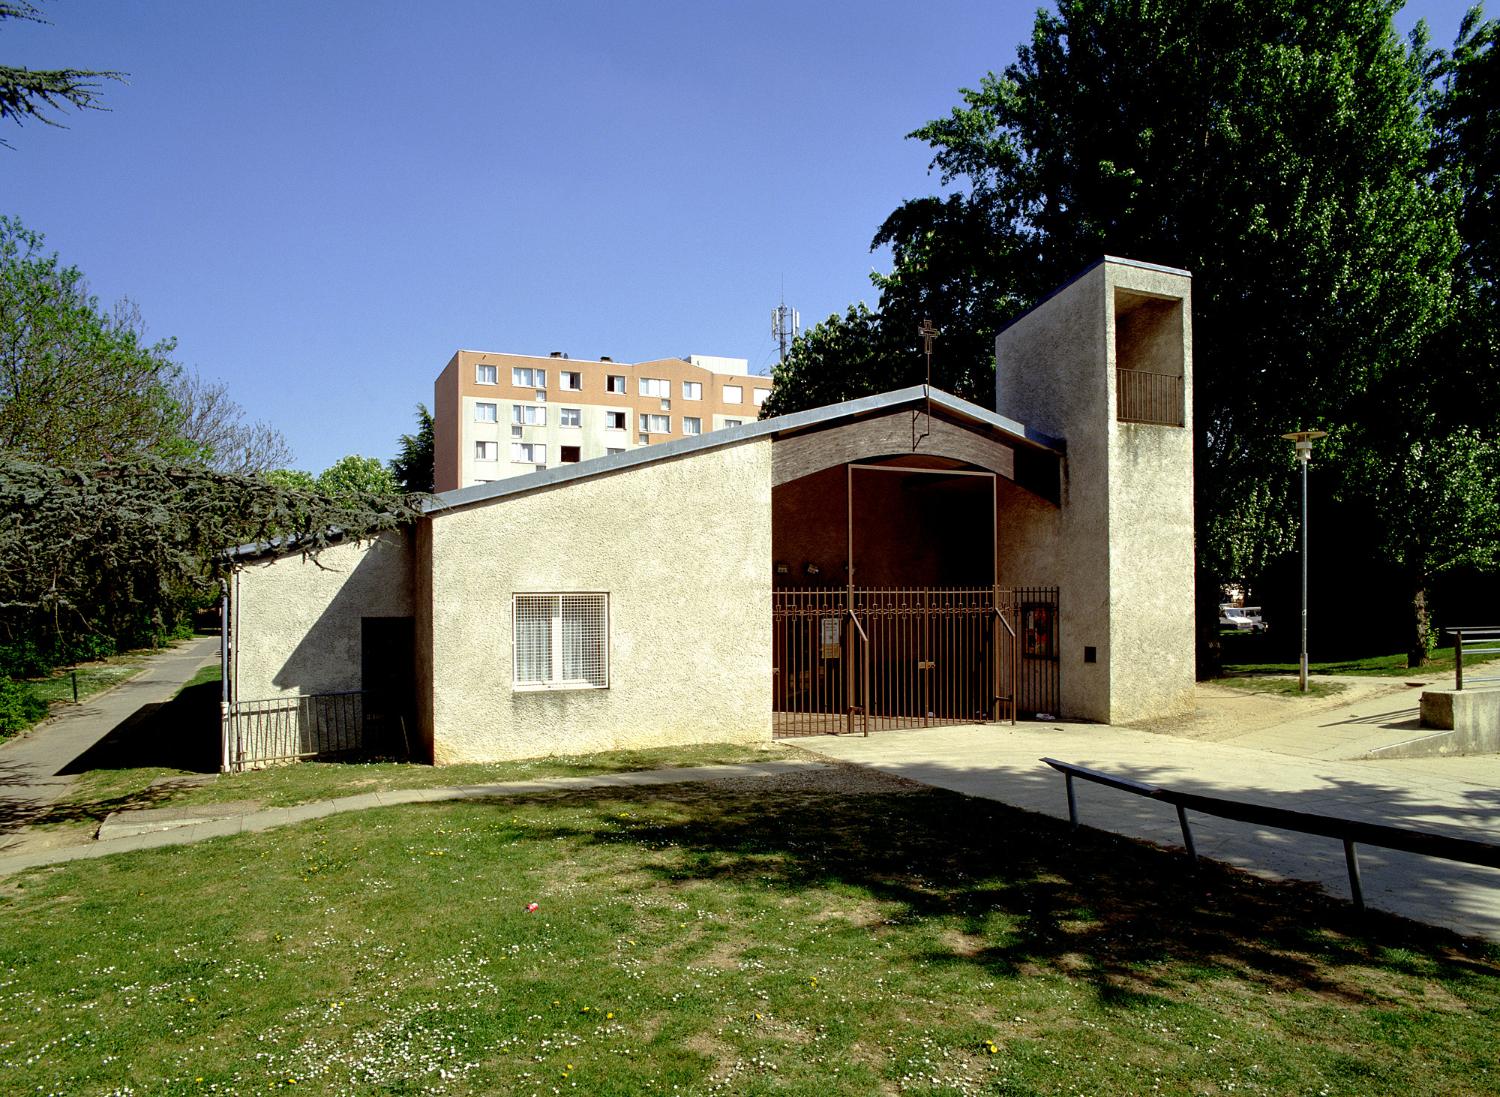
x,y
1142,397
297,727
1349,831
879,658
1485,640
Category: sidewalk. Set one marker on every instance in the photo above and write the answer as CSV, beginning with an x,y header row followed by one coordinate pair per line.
x,y
1458,796
31,763
175,831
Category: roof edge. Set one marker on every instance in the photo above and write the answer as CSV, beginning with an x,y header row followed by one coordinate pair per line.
x,y
728,436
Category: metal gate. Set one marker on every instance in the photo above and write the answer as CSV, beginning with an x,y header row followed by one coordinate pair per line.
x,y
871,659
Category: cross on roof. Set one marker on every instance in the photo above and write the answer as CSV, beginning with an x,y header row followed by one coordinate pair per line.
x,y
928,331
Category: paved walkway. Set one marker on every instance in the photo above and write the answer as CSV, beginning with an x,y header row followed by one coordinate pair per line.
x,y
1459,796
175,832
32,765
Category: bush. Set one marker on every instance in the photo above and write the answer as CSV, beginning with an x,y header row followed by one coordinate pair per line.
x,y
18,708
25,659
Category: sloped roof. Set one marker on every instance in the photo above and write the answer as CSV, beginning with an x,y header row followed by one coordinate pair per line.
x,y
1011,431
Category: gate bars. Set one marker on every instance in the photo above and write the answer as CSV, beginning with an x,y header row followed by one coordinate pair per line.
x,y
904,657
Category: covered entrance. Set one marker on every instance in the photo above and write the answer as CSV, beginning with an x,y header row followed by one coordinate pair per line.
x,y
888,609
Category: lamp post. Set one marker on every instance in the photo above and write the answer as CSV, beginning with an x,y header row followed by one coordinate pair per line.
x,y
1303,440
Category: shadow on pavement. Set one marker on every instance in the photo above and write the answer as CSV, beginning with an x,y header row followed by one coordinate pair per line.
x,y
178,734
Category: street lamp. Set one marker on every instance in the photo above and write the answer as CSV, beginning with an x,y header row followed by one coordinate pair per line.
x,y
1303,440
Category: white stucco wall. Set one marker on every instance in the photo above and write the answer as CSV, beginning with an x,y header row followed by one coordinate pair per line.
x,y
682,547
296,619
1121,547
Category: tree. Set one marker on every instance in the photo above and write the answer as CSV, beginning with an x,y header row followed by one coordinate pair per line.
x,y
76,383
29,94
413,466
118,549
356,477
1276,150
214,426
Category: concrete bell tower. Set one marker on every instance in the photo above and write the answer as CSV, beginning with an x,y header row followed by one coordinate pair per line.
x,y
1105,363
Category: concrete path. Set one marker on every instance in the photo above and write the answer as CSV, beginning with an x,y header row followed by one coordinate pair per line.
x,y
174,831
31,764
1459,796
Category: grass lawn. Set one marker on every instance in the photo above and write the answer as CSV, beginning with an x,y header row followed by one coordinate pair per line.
x,y
1285,686
1383,666
99,791
829,933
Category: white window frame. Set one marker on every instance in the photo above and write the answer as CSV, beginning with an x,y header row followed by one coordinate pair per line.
x,y
528,377
600,600
482,448
564,413
648,422
562,380
734,422
656,386
739,394
482,406
760,396
620,389
480,371
611,416
692,424
537,453
528,415
692,390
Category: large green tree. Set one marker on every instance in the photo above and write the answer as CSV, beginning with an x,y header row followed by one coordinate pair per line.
x,y
118,549
77,382
1276,149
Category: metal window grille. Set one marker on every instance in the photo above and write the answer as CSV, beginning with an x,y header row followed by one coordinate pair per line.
x,y
561,641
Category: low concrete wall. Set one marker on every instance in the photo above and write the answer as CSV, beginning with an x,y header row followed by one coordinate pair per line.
x,y
1466,722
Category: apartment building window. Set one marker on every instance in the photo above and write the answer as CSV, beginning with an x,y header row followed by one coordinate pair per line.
x,y
560,641
656,386
569,455
525,377
656,424
759,396
486,413
733,394
487,375
570,380
614,420
733,423
486,451
644,439
612,450
570,417
692,390
691,424
528,453
527,415
615,383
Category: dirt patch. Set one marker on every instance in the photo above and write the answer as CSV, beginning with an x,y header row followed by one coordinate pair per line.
x,y
1222,713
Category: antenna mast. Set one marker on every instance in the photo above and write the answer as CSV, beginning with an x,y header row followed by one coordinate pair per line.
x,y
785,323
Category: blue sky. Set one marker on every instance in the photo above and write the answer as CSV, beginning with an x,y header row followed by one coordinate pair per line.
x,y
322,202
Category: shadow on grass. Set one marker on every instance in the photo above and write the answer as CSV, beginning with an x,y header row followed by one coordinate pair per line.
x,y
1023,893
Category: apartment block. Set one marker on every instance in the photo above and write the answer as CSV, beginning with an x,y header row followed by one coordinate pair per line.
x,y
502,415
